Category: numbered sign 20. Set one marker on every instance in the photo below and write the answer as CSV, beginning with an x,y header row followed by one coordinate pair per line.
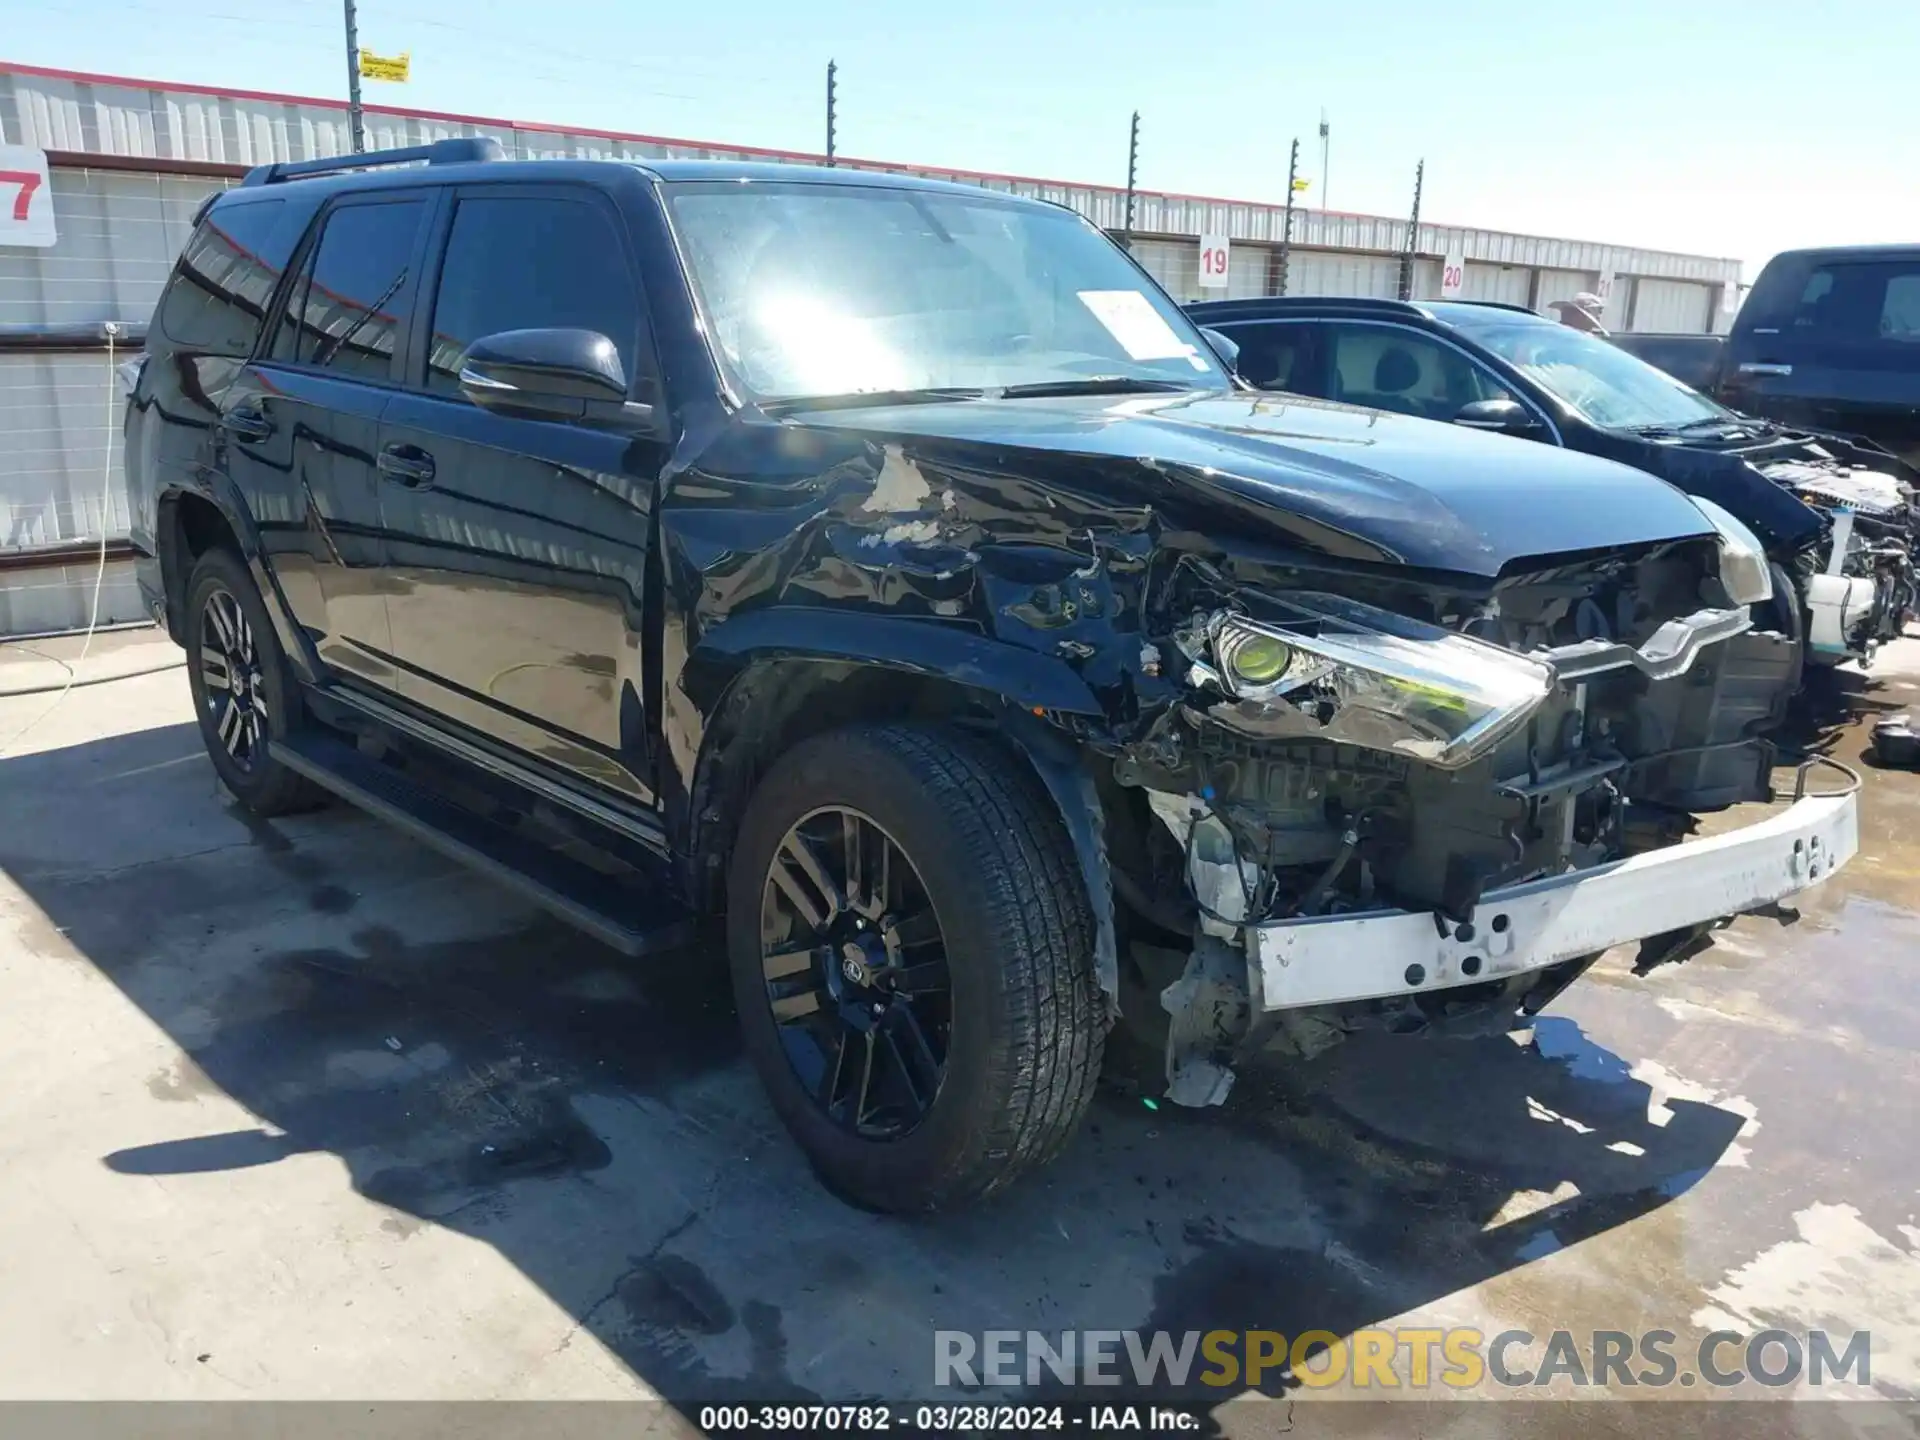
x,y
1214,258
1453,277
26,199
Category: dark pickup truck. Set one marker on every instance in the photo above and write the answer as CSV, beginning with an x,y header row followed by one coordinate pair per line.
x,y
888,572
1827,340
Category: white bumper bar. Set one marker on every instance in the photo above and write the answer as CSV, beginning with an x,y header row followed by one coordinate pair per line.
x,y
1527,927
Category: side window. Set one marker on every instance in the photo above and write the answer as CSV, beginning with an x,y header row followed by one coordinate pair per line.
x,y
1900,309
1389,368
218,296
1859,303
521,262
348,308
1280,357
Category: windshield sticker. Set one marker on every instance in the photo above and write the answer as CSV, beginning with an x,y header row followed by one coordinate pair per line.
x,y
1131,319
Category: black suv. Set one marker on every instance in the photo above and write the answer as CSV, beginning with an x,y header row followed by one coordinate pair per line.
x,y
1834,512
891,569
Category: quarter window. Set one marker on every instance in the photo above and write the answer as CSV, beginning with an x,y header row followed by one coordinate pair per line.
x,y
218,296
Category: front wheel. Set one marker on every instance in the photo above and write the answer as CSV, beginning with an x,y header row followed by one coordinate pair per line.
x,y
912,957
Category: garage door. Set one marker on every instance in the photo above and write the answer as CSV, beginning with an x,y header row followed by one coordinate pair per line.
x,y
1678,307
1330,272
1562,285
1507,284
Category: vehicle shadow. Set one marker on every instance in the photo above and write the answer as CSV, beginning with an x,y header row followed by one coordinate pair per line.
x,y
592,1119
1827,709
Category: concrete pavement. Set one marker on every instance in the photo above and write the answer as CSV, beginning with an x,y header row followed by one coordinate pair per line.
x,y
297,1110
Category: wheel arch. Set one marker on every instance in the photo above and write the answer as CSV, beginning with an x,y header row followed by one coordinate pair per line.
x,y
774,698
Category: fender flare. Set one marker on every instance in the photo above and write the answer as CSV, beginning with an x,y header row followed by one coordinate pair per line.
x,y
1022,681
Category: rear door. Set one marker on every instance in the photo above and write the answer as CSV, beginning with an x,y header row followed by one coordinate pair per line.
x,y
304,423
520,545
1834,344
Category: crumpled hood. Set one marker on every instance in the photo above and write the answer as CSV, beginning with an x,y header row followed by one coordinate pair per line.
x,y
1360,484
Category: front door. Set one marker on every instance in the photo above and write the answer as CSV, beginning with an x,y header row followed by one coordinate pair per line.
x,y
519,546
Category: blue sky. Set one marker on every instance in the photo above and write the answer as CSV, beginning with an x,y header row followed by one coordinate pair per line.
x,y
1722,128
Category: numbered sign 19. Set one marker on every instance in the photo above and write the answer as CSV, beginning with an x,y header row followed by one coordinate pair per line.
x,y
26,199
1213,262
1453,277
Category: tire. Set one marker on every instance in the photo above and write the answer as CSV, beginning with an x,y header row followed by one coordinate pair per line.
x,y
243,692
1019,1035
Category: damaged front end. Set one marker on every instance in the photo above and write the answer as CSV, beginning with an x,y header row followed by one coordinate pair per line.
x,y
1435,816
1858,576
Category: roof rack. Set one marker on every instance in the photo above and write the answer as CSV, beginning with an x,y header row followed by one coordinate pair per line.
x,y
460,150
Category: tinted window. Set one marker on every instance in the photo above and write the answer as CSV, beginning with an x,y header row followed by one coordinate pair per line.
x,y
1276,357
520,263
348,308
219,294
1388,368
1855,303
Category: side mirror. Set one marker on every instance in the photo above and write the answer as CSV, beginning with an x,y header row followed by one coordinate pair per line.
x,y
1507,417
1225,347
549,375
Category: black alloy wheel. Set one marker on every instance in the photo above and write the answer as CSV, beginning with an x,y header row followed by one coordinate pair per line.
x,y
244,694
855,965
232,680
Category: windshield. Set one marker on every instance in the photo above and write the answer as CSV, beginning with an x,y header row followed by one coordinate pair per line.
x,y
816,290
1601,381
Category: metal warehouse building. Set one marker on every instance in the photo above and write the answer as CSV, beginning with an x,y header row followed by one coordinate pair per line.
x,y
129,160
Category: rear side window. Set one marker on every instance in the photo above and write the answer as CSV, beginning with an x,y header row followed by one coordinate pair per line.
x,y
350,306
520,262
218,296
1277,357
1848,303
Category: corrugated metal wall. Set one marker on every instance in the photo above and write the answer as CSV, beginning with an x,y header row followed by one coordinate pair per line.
x,y
1507,284
1328,272
1562,285
1675,306
119,233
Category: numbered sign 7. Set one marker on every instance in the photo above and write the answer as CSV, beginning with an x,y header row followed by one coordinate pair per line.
x,y
26,199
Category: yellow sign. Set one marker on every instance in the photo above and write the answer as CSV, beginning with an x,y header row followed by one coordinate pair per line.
x,y
384,67
1301,183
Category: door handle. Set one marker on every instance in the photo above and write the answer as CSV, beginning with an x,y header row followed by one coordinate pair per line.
x,y
1764,367
407,465
246,423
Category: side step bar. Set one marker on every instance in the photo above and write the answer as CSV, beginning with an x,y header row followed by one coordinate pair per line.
x,y
625,917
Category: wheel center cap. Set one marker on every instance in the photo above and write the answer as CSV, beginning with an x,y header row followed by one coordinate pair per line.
x,y
853,964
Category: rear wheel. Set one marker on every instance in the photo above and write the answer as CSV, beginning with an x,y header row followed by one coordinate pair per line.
x,y
243,694
911,950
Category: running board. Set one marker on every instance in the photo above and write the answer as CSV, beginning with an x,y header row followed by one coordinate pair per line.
x,y
629,918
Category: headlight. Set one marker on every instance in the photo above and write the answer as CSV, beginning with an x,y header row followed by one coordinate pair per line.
x,y
1346,671
1745,573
